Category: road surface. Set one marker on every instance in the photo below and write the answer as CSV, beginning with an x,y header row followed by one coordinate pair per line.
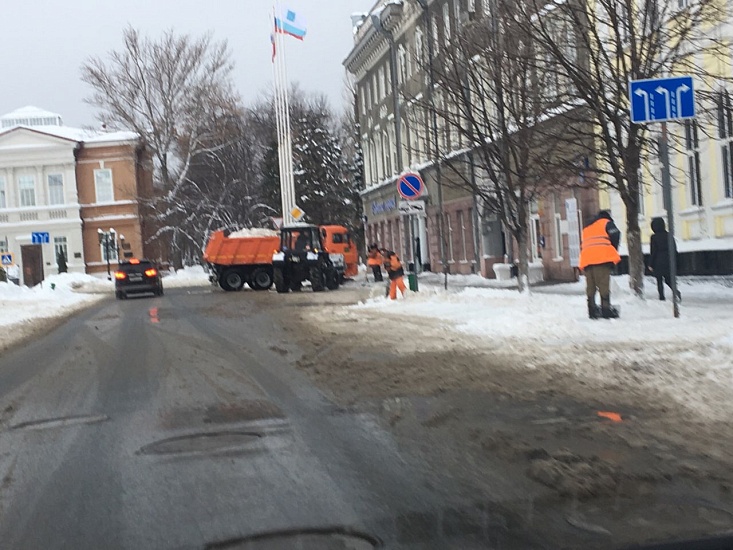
x,y
182,422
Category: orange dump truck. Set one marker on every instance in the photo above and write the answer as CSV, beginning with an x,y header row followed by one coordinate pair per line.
x,y
246,256
242,257
337,240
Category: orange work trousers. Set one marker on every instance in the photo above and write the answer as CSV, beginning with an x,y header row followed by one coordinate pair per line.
x,y
394,284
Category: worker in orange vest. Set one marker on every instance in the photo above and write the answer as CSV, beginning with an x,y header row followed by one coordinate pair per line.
x,y
395,272
374,260
598,255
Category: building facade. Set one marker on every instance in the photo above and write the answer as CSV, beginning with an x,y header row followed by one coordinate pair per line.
x,y
390,59
68,183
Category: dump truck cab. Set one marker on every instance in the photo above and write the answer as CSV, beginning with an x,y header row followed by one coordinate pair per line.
x,y
337,240
302,256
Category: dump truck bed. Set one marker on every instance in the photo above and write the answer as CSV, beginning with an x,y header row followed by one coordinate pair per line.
x,y
221,250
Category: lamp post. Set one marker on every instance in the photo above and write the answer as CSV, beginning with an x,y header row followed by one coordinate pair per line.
x,y
425,5
108,240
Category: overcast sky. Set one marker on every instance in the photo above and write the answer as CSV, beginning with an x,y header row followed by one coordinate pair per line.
x,y
44,42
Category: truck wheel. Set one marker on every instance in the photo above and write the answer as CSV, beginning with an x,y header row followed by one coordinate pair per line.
x,y
281,283
316,279
332,280
232,279
261,279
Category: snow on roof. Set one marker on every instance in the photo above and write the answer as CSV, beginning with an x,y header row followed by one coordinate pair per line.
x,y
29,111
77,134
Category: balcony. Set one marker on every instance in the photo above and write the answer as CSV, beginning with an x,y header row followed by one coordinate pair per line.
x,y
30,216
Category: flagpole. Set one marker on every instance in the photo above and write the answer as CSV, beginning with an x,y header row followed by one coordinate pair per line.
x,y
281,116
287,135
278,113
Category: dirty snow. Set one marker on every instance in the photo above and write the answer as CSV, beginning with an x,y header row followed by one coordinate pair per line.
x,y
689,359
253,232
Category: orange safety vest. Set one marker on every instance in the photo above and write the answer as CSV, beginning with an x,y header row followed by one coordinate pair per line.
x,y
375,258
596,248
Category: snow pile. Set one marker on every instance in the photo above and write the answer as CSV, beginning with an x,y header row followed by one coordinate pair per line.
x,y
80,283
24,309
253,232
689,359
187,277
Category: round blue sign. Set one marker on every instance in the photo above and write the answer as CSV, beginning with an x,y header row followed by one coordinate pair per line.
x,y
410,186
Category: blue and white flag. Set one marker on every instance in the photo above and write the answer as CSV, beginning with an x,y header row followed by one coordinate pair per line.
x,y
289,22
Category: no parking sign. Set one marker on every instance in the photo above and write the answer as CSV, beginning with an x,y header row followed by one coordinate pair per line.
x,y
410,186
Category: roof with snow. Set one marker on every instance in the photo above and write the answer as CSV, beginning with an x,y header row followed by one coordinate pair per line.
x,y
30,116
77,134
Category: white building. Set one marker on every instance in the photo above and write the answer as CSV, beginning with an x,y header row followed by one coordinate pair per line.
x,y
38,192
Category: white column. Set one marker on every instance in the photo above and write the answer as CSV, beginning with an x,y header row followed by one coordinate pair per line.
x,y
423,233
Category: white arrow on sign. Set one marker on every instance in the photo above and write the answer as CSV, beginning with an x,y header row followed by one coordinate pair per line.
x,y
681,89
412,207
643,94
665,92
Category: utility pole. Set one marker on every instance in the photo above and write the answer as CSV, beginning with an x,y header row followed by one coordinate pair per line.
x,y
425,5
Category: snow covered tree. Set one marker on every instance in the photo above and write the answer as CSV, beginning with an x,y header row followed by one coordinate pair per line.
x,y
176,92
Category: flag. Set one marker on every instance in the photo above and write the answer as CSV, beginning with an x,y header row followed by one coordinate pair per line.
x,y
290,23
274,48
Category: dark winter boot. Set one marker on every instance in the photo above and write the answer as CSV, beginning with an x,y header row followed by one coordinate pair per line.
x,y
607,310
594,312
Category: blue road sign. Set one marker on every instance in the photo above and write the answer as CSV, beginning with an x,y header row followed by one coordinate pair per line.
x,y
410,186
6,259
661,99
39,237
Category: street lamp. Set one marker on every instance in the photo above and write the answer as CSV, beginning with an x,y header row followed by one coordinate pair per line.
x,y
108,240
425,5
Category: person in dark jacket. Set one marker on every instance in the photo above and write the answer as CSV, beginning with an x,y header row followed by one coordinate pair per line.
x,y
598,256
659,256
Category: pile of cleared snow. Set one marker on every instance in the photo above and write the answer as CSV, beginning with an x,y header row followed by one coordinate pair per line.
x,y
186,277
253,232
688,358
79,282
23,309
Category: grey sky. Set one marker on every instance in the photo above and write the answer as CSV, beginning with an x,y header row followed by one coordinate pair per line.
x,y
44,42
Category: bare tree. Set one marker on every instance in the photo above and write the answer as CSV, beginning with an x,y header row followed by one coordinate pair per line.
x,y
176,92
597,48
496,123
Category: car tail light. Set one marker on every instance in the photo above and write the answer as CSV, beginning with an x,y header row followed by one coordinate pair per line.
x,y
134,261
151,272
120,275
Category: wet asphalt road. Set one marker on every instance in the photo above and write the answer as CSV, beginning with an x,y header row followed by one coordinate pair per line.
x,y
177,422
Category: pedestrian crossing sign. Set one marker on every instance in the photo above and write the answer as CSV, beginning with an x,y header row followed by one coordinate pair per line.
x,y
6,258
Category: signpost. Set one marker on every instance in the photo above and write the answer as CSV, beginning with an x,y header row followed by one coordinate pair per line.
x,y
411,187
6,258
40,237
662,100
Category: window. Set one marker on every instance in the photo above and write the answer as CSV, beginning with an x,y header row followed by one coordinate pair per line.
x,y
557,206
436,35
103,185
471,6
402,65
381,83
448,228
112,248
27,188
486,7
3,246
725,133
55,189
457,12
420,52
362,98
462,228
692,150
60,245
446,23
3,200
